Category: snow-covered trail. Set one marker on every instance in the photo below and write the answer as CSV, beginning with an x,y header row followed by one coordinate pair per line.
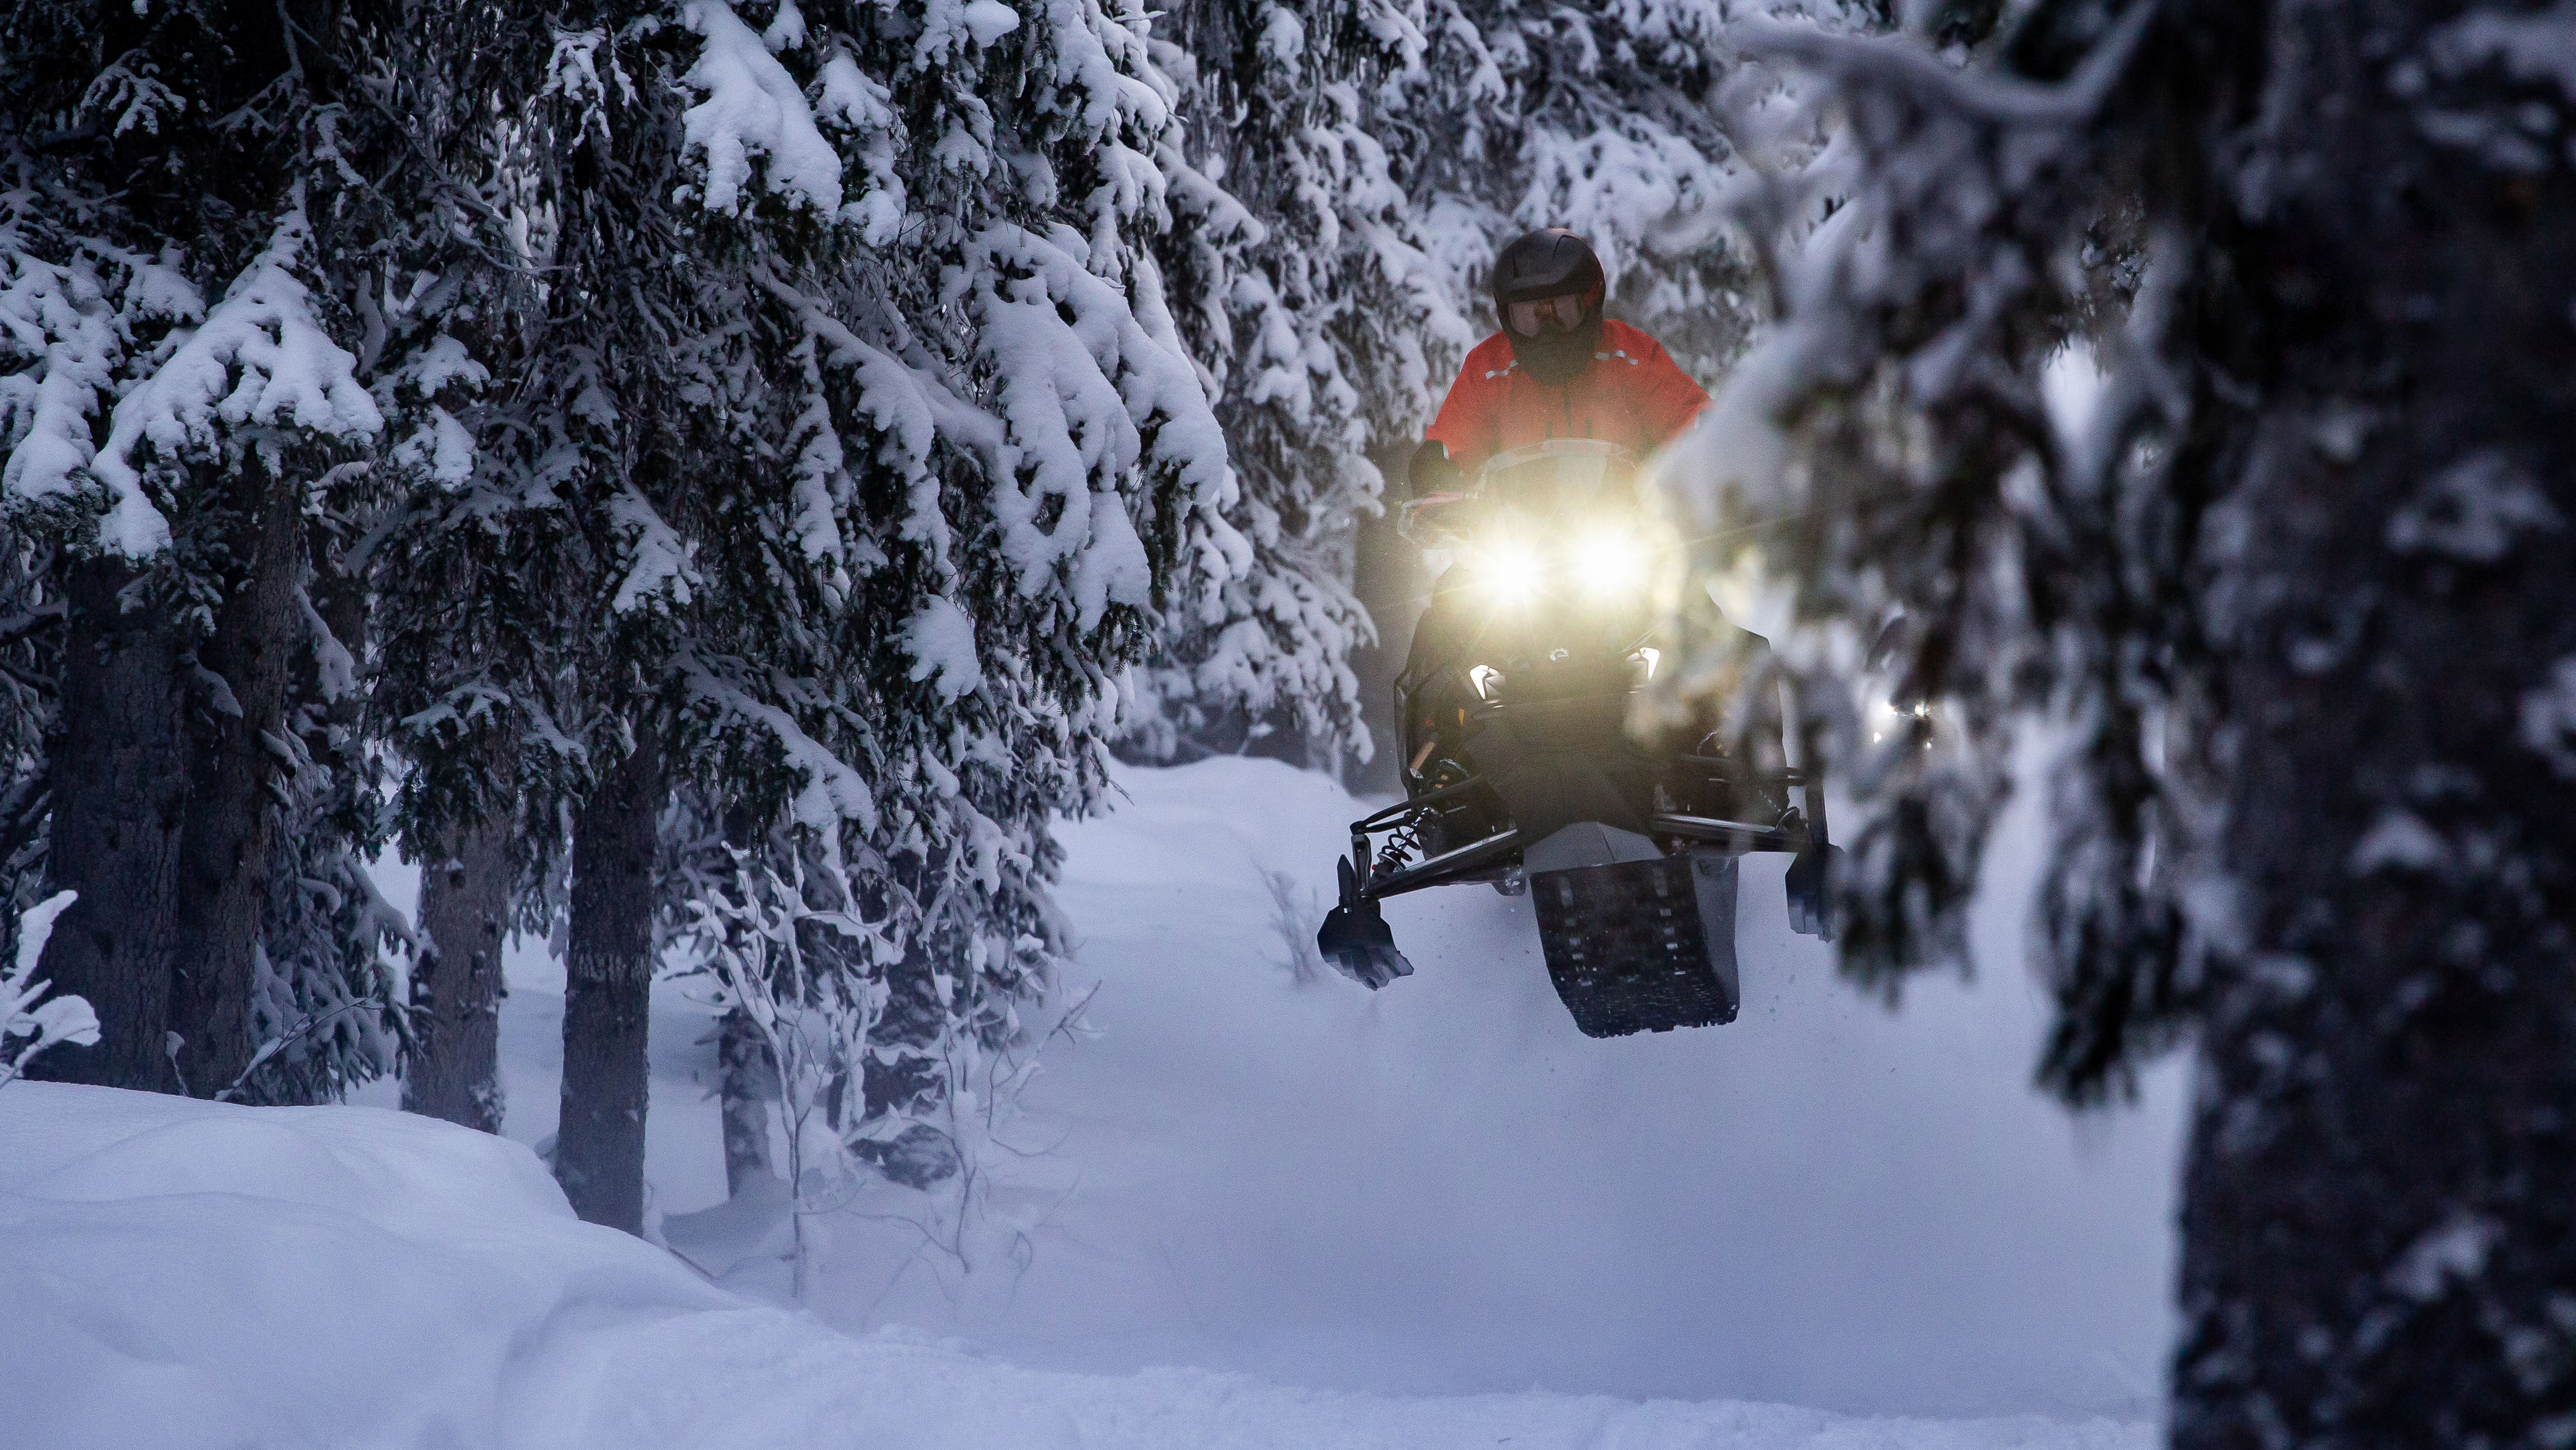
x,y
1443,1188
1433,1216
197,1276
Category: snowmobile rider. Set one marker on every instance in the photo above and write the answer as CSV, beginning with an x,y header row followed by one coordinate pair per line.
x,y
1557,369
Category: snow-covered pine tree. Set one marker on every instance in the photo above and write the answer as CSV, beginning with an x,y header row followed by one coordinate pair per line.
x,y
1298,283
426,247
442,292
532,582
178,397
999,449
2294,601
836,468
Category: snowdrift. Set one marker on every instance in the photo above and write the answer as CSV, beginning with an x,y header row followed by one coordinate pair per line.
x,y
181,1274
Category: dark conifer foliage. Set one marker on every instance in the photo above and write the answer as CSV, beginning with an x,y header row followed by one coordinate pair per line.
x,y
2294,602
185,184
837,473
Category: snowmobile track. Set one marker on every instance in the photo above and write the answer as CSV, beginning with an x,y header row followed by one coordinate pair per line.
x,y
1643,946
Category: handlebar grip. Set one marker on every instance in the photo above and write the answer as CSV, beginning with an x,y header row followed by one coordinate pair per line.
x,y
1433,471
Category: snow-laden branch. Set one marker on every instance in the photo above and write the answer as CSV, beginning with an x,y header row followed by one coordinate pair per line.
x,y
1068,356
22,1014
833,791
58,317
261,358
1901,63
74,322
753,107
661,567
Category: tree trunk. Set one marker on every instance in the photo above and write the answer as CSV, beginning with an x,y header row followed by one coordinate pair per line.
x,y
120,797
747,1082
2379,1211
599,1148
454,1070
223,852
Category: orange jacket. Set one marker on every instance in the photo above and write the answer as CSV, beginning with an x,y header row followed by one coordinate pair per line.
x,y
1631,395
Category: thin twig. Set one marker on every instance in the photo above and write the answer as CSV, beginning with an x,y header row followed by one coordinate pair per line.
x,y
273,1048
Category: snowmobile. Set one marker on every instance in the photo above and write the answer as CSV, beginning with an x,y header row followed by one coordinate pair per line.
x,y
1520,771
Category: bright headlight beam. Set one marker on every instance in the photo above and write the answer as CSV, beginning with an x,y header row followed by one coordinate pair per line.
x,y
1609,563
1511,572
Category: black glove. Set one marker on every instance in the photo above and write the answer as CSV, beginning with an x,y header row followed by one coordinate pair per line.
x,y
1432,471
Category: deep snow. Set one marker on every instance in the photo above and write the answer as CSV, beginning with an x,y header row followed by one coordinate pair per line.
x,y
1393,1217
199,1276
1442,1188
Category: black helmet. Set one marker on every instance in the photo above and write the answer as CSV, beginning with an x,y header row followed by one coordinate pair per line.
x,y
1551,346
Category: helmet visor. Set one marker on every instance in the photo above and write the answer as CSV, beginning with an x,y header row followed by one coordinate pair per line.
x,y
1527,318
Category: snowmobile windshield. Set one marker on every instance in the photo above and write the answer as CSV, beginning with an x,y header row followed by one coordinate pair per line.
x,y
1565,482
1566,479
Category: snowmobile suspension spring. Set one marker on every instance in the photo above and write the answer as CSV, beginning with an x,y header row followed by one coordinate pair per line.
x,y
1402,841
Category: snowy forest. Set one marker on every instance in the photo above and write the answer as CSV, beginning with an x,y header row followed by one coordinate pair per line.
x,y
852,548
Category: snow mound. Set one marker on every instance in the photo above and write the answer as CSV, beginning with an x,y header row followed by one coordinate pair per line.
x,y
183,1274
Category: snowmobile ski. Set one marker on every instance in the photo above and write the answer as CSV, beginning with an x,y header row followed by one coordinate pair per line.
x,y
1356,939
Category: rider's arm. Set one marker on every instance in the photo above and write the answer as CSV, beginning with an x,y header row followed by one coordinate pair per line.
x,y
1433,471
1471,421
1667,399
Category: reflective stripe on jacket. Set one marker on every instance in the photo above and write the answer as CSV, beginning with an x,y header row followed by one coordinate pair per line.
x,y
1631,395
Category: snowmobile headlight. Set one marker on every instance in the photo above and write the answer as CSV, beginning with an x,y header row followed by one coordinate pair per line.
x,y
1511,572
1610,563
